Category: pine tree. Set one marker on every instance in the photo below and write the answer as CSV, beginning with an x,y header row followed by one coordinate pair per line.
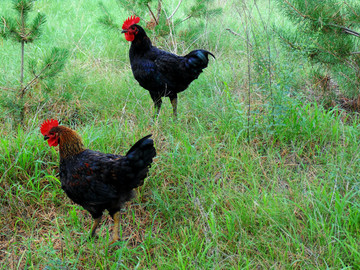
x,y
158,18
326,33
20,30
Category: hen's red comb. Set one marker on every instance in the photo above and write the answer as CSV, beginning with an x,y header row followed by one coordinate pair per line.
x,y
47,125
130,21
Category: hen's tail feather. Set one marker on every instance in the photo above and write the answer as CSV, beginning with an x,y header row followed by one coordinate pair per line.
x,y
197,60
139,158
138,143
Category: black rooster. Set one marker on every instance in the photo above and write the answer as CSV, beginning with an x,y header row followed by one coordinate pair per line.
x,y
98,181
162,73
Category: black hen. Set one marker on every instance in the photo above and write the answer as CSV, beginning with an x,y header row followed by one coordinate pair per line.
x,y
98,181
162,73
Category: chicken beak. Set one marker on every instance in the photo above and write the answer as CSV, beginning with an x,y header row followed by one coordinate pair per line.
x,y
124,31
46,137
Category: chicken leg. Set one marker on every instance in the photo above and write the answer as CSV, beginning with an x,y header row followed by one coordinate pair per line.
x,y
116,236
157,104
173,100
95,225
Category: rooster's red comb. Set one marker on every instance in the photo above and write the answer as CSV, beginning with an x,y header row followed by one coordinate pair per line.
x,y
130,21
47,125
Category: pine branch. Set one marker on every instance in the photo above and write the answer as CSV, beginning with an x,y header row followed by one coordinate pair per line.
x,y
296,10
287,41
177,7
345,29
188,17
152,14
9,29
24,89
352,10
54,63
23,6
340,59
35,31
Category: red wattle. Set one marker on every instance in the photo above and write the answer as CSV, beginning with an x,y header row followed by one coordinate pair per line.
x,y
129,37
53,141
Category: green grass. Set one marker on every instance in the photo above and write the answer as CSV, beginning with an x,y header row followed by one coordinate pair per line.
x,y
286,197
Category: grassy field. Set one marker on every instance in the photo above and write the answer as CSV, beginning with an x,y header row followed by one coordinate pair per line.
x,y
273,188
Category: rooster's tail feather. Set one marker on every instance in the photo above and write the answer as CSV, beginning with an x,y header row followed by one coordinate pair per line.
x,y
197,60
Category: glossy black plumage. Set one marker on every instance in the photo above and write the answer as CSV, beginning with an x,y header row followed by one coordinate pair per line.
x,y
95,180
162,73
98,181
